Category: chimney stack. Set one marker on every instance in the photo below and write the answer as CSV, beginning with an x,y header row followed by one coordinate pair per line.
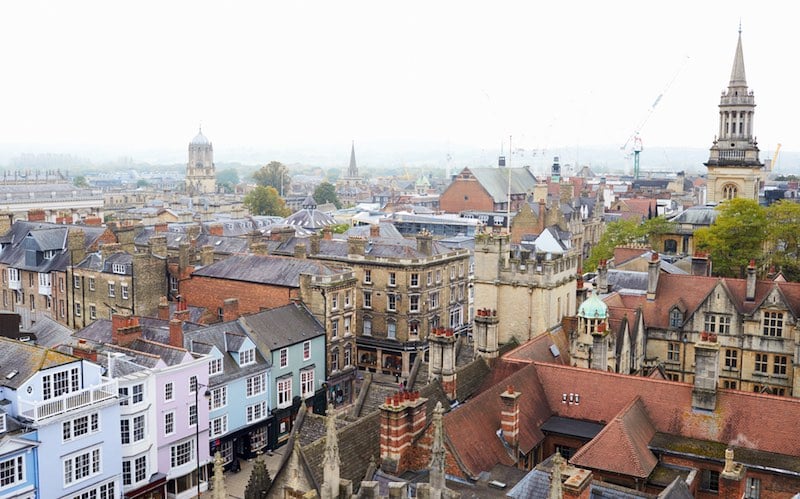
x,y
442,354
206,255
653,269
176,333
706,361
509,417
375,230
356,246
700,264
181,311
300,250
163,308
751,281
602,277
403,418
216,229
230,309
327,233
425,242
314,243
6,221
76,245
125,329
600,348
84,351
160,227
732,481
486,341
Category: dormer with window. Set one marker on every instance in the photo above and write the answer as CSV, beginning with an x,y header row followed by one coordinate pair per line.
x,y
118,268
245,353
675,318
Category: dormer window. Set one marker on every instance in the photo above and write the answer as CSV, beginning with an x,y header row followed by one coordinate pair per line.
x,y
675,318
118,268
247,356
2,422
49,254
214,367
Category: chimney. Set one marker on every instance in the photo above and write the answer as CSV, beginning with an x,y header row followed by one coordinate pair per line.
x,y
403,418
125,329
375,230
76,245
653,269
355,246
84,351
425,242
486,341
192,232
206,255
160,227
230,309
442,355
706,361
176,333
184,257
36,215
6,220
181,311
542,214
602,277
750,294
509,417
163,308
314,243
215,229
300,250
158,245
700,264
108,249
327,233
732,481
600,348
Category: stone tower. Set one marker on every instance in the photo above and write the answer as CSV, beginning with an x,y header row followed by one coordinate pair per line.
x,y
734,169
201,177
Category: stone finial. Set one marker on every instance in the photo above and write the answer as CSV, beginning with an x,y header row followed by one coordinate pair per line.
x,y
729,466
555,477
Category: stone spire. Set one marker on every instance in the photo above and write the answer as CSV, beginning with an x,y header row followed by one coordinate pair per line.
x,y
330,460
352,170
219,491
437,466
738,78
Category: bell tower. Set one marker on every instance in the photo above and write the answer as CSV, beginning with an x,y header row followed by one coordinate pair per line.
x,y
200,173
734,169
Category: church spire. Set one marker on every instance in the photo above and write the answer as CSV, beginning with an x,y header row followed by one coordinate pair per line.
x,y
352,170
738,78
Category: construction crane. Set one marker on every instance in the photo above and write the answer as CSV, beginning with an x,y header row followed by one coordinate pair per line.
x,y
634,137
774,161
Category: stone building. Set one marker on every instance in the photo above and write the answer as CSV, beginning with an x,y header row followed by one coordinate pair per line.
x,y
200,172
734,169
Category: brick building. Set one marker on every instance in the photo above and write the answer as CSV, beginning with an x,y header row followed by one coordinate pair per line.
x,y
487,189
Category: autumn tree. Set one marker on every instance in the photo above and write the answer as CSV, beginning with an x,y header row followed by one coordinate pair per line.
x,y
736,236
274,174
326,193
265,201
624,232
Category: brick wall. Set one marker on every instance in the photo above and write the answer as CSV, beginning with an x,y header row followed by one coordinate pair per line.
x,y
465,194
210,293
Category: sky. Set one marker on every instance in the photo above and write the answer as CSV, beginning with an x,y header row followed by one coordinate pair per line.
x,y
134,76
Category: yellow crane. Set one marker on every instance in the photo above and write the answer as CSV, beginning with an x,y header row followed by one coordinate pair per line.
x,y
775,158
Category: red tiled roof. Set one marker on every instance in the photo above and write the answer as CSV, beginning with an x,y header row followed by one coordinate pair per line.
x,y
623,254
621,447
539,348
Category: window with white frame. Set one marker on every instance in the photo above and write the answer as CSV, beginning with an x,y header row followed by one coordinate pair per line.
x,y
334,359
137,393
367,299
367,326
181,453
347,299
12,471
169,391
218,426
77,309
169,423
413,328
306,350
256,385
219,398
215,367
118,268
76,279
439,276
44,280
92,311
455,317
391,303
193,414
430,278
348,355
284,357
284,392
433,297
173,284
124,289
132,429
247,356
414,282
452,272
112,290
134,470
334,301
413,303
91,284
367,276
13,276
192,384
256,412
307,382
347,321
334,328
391,330
78,467
59,383
392,279
78,427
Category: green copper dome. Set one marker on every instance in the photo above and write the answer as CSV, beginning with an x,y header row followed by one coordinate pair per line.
x,y
593,308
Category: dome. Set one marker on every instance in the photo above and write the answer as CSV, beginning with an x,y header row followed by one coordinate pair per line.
x,y
200,139
593,308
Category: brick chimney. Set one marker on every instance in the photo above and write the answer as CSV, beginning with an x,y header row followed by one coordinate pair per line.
x,y
300,250
700,264
36,215
125,329
486,341
327,233
509,417
732,481
442,354
314,243
425,242
215,229
158,245
375,230
403,418
108,249
181,311
706,361
84,351
176,333
750,294
230,309
163,308
653,269
160,227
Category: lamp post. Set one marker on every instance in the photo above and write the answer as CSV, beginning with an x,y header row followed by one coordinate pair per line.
x,y
197,387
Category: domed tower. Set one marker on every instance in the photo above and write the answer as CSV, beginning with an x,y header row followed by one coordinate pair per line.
x,y
201,177
590,341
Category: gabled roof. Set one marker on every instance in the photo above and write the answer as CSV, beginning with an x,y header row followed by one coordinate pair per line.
x,y
281,327
26,359
264,269
496,181
225,337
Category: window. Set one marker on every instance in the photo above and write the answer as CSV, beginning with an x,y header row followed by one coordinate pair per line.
x,y
729,384
193,384
461,269
124,288
347,300
12,471
430,278
284,392
413,303
138,393
367,299
92,312
455,317
182,453
433,297
334,328
566,452
307,382
779,365
306,350
414,279
44,280
77,309
76,279
334,301
452,272
81,466
169,391
675,318
347,321
367,276
753,489
247,356
761,363
214,367
391,330
413,328
111,290
673,352
256,385
731,359
91,284
79,427
335,359
169,423
219,398
710,481
192,415
348,355
367,326
438,276
137,473
284,357
724,324
218,426
60,383
392,279
132,430
711,324
773,323
173,284
118,268
256,412
391,304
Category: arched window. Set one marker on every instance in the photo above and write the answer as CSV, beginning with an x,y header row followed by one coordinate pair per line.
x,y
729,191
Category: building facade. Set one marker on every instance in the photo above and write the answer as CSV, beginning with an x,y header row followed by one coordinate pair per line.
x,y
200,171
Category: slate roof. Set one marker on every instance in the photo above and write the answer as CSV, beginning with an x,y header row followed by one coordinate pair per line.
x,y
50,333
469,378
26,360
226,337
387,230
281,327
496,180
376,247
309,217
264,269
697,215
44,236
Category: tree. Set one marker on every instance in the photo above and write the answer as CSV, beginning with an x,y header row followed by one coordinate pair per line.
x,y
142,183
623,232
259,483
783,236
326,193
80,181
265,201
275,174
227,179
736,237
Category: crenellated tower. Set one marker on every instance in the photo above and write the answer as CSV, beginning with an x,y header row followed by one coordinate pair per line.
x,y
201,177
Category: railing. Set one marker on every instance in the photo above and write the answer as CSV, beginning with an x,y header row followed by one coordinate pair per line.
x,y
723,154
37,411
14,284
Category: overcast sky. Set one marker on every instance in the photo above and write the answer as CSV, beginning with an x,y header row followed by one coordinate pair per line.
x,y
134,75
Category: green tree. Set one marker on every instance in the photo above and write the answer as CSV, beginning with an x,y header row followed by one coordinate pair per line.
x,y
260,482
624,232
227,179
274,174
783,236
265,201
80,181
142,183
736,237
326,193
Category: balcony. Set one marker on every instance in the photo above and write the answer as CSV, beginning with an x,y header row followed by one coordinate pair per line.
x,y
37,411
15,284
